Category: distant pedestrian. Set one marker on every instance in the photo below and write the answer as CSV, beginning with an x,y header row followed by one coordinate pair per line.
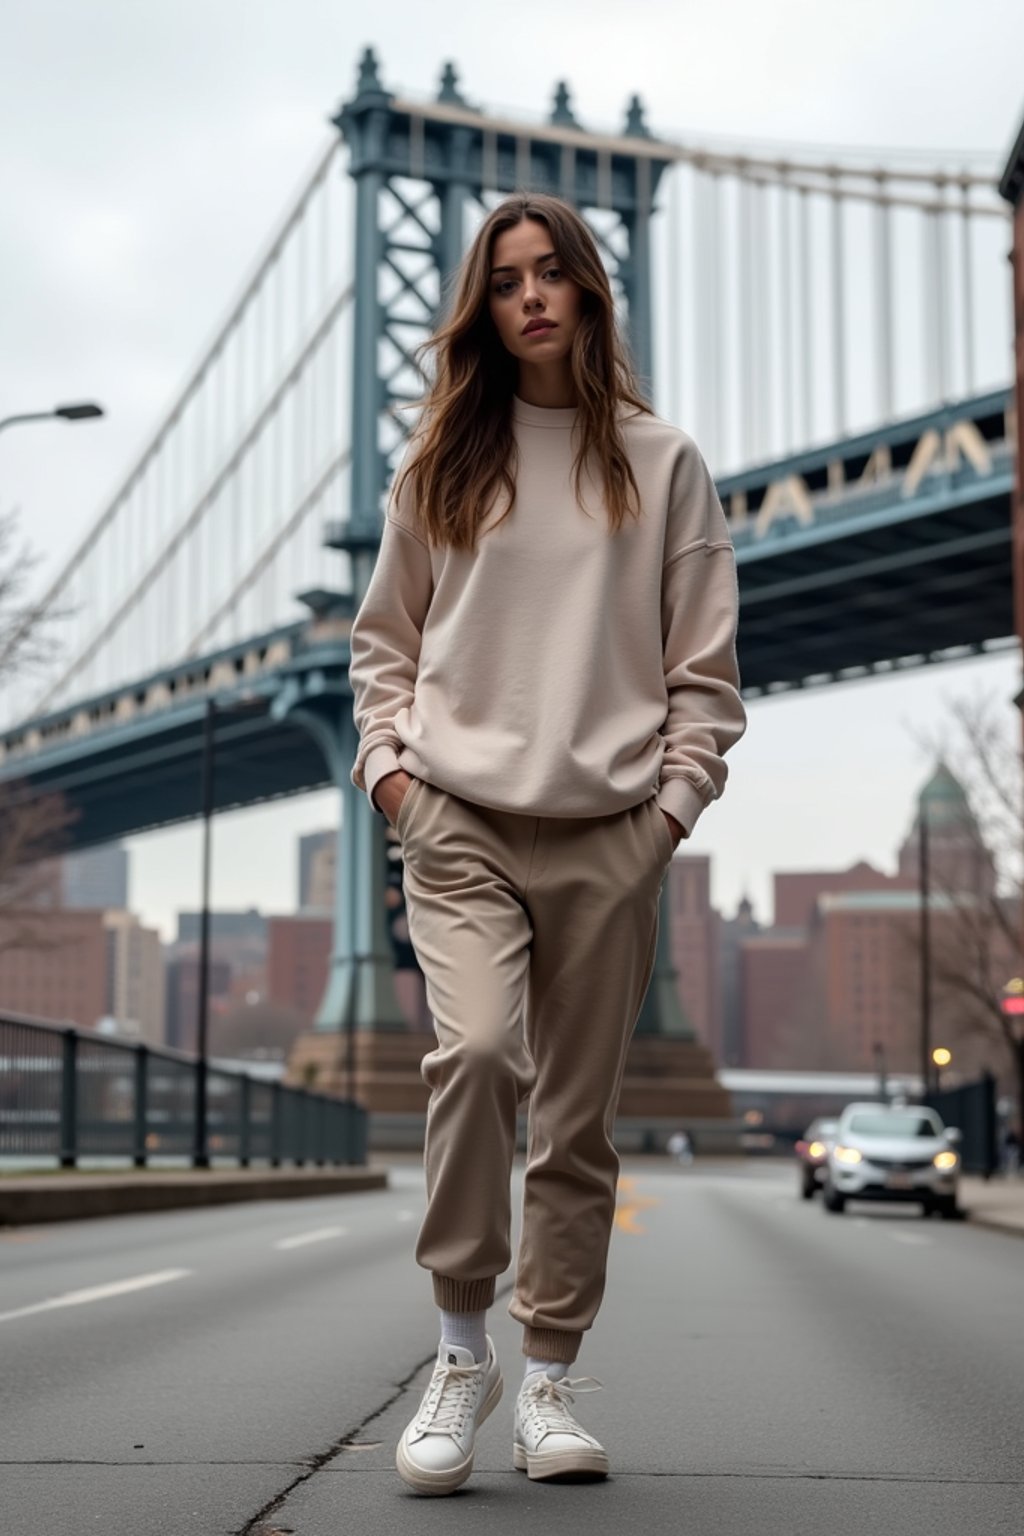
x,y
545,684
1011,1152
679,1147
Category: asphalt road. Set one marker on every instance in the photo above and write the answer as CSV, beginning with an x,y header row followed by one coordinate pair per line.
x,y
766,1368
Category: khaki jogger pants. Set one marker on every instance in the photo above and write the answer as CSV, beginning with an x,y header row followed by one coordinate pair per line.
x,y
536,936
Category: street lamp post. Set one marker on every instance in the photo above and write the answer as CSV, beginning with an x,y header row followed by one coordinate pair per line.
x,y
201,1151
200,1148
942,1058
85,411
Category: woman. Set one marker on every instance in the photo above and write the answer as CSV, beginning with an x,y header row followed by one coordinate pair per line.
x,y
545,684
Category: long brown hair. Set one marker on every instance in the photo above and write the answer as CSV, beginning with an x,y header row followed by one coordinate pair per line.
x,y
464,439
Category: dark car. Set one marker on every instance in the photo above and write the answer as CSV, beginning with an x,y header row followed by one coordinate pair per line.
x,y
812,1152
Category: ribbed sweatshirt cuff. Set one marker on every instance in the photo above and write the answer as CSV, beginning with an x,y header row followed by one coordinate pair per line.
x,y
683,800
463,1295
380,761
560,1344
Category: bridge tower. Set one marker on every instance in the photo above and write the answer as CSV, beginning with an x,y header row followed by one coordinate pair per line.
x,y
422,171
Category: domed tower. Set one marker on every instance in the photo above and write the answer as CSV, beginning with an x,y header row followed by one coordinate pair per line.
x,y
959,862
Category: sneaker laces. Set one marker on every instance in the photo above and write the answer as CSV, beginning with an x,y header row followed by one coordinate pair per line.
x,y
450,1397
547,1402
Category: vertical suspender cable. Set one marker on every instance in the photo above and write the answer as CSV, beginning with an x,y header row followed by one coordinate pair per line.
x,y
884,318
967,287
838,310
941,292
806,320
785,205
759,309
235,532
674,280
745,319
717,308
710,301
694,351
928,286
700,330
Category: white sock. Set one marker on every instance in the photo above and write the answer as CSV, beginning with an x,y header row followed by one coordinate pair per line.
x,y
556,1369
466,1330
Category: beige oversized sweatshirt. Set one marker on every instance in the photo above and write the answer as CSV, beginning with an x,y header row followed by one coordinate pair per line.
x,y
560,670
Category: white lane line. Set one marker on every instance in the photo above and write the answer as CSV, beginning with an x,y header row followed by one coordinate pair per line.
x,y
98,1293
319,1236
908,1237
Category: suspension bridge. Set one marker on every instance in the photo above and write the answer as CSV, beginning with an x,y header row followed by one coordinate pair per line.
x,y
832,327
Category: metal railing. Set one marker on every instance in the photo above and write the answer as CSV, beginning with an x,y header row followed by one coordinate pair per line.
x,y
971,1107
69,1093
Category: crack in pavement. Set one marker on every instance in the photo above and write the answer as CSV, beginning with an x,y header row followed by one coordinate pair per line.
x,y
145,1461
256,1526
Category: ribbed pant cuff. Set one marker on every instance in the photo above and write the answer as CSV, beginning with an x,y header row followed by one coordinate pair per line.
x,y
551,1344
464,1295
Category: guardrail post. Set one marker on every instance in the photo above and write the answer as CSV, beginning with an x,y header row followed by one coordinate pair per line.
x,y
302,1140
321,1131
275,1125
69,1100
243,1130
141,1105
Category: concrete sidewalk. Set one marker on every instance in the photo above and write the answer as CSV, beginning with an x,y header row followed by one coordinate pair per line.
x,y
997,1202
30,1198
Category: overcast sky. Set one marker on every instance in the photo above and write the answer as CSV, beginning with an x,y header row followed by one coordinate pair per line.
x,y
150,147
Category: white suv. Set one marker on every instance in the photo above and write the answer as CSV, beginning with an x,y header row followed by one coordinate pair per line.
x,y
888,1152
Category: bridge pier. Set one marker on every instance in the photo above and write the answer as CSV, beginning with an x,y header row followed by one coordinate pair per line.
x,y
360,996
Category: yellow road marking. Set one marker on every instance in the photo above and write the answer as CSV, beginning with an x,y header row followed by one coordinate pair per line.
x,y
625,1214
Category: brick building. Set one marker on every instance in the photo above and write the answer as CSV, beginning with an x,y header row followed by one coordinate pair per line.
x,y
54,967
695,941
834,983
298,958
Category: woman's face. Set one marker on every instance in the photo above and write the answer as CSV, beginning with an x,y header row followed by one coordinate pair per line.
x,y
527,289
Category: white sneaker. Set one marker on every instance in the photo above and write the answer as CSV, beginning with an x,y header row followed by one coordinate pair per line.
x,y
547,1442
435,1453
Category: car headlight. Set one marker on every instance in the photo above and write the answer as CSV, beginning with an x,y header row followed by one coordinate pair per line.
x,y
848,1155
945,1159
816,1149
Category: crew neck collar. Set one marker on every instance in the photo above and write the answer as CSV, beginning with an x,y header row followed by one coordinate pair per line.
x,y
543,415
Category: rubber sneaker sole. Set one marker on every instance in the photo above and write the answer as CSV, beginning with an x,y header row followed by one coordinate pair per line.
x,y
422,1480
541,1465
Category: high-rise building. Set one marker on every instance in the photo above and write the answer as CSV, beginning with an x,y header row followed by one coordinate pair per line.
x,y
958,861
732,931
181,969
136,986
242,929
317,856
96,877
238,948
